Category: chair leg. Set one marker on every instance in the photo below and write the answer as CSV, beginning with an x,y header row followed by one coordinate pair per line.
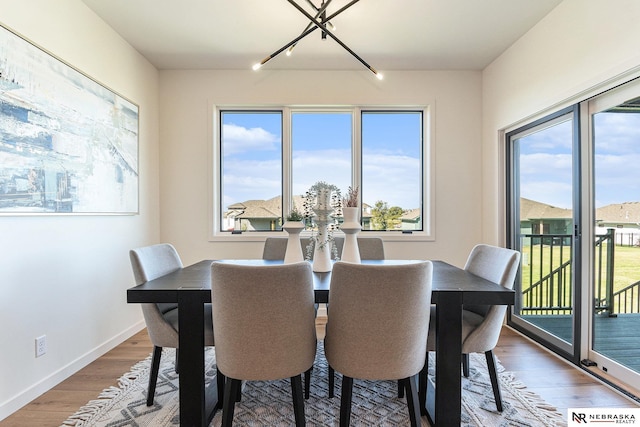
x,y
153,375
332,381
220,380
177,364
422,387
493,374
231,387
298,401
307,383
412,399
239,392
345,401
401,388
465,365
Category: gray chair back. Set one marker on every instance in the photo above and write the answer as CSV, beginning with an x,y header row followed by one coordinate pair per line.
x,y
371,248
275,247
498,265
264,320
149,263
378,319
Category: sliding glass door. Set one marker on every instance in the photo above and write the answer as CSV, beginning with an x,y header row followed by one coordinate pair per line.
x,y
573,210
614,321
544,181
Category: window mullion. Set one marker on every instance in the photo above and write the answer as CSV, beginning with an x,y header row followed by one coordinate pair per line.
x,y
356,150
287,163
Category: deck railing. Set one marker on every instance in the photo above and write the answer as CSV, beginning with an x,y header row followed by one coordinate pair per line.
x,y
546,275
604,255
627,300
547,282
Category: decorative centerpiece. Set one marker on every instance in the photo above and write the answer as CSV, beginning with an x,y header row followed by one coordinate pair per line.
x,y
322,204
351,226
293,226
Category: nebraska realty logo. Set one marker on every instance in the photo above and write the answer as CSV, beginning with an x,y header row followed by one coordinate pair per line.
x,y
603,416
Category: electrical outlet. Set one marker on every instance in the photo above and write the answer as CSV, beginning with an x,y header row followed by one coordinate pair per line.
x,y
41,345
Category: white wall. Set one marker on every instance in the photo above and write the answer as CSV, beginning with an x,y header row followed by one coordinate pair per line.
x,y
66,276
186,138
581,48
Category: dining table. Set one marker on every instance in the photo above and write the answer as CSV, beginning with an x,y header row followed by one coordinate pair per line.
x,y
190,287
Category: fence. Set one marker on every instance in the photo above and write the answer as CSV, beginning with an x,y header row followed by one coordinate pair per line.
x,y
546,281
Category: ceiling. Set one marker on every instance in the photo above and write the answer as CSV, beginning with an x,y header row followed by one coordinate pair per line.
x,y
388,34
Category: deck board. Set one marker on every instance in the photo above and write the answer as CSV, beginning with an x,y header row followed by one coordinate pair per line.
x,y
617,338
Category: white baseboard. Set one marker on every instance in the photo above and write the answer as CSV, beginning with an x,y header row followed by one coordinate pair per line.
x,y
15,403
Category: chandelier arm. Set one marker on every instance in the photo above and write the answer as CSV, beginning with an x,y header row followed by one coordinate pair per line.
x,y
322,27
324,7
319,12
314,6
292,42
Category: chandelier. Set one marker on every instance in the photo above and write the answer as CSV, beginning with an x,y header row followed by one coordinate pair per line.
x,y
320,21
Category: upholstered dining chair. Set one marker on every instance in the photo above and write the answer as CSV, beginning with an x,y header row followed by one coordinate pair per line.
x,y
371,248
378,321
275,247
264,322
149,263
481,324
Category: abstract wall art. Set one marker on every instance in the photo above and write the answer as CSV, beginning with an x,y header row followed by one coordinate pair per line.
x,y
68,145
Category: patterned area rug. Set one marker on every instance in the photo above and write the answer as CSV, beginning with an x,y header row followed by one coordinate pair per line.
x,y
269,403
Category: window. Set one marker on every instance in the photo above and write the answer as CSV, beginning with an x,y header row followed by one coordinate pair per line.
x,y
392,170
267,159
321,149
251,165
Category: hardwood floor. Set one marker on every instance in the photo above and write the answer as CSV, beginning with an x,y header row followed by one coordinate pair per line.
x,y
55,406
556,381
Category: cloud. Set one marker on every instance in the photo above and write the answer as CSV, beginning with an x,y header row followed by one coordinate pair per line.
x,y
332,166
394,179
239,139
616,133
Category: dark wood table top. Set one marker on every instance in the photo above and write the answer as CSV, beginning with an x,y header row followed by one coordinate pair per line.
x,y
196,278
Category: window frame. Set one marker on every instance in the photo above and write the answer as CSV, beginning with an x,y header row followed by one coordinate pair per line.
x,y
427,165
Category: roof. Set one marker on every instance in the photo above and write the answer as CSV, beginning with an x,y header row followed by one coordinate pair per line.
x,y
412,215
618,213
530,209
627,212
268,209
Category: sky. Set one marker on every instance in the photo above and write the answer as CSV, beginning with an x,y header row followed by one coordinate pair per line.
x,y
321,151
546,161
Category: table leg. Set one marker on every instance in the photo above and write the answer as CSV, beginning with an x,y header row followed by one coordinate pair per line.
x,y
191,378
448,389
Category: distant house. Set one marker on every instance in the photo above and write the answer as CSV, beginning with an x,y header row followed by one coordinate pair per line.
x,y
540,218
411,219
257,215
619,215
624,218
366,216
262,215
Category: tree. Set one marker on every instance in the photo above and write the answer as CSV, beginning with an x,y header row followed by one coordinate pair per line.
x,y
384,217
